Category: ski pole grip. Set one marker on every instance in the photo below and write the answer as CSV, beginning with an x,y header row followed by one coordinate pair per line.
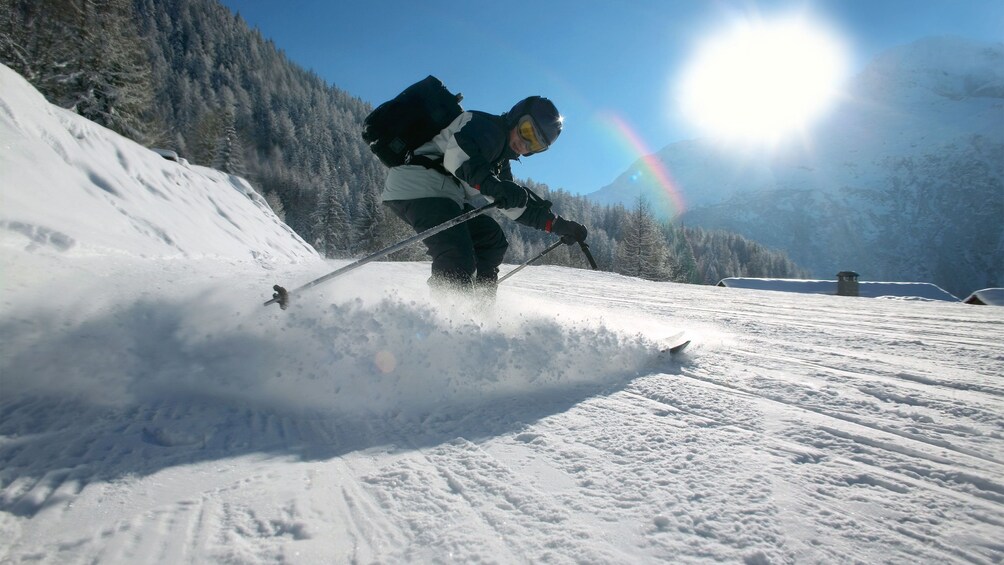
x,y
281,296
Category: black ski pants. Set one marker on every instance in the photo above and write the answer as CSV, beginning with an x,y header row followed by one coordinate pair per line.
x,y
471,251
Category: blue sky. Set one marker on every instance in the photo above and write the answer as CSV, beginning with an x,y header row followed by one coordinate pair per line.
x,y
611,67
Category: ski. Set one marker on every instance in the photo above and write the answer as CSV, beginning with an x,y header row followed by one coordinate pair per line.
x,y
674,344
678,348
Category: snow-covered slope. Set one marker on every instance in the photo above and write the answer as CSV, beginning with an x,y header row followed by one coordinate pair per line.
x,y
64,175
904,181
185,423
151,410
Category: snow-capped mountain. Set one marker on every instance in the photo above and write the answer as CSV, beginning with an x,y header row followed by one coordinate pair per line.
x,y
903,181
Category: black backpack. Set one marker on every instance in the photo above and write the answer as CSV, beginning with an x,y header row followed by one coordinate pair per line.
x,y
399,126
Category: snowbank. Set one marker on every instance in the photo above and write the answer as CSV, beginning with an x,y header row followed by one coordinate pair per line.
x,y
72,186
991,296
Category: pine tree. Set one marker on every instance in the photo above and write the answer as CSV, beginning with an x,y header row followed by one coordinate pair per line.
x,y
275,203
206,136
684,262
333,232
366,223
107,80
229,154
642,252
16,27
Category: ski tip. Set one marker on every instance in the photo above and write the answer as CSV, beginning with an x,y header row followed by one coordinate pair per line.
x,y
678,348
674,343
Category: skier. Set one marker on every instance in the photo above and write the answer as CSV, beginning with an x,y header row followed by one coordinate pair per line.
x,y
467,160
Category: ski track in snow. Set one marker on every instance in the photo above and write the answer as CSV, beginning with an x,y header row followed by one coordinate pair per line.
x,y
809,429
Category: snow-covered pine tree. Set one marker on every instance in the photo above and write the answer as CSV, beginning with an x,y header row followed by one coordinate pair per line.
x,y
683,262
642,251
275,203
366,223
333,229
105,76
229,154
206,136
15,34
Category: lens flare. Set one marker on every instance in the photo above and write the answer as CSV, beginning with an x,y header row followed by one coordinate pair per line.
x,y
652,170
385,361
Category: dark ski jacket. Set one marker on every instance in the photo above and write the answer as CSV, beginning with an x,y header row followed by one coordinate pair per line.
x,y
475,150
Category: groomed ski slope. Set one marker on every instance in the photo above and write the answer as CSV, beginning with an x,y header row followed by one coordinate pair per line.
x,y
155,412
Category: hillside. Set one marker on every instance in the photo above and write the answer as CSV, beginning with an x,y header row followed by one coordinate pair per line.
x,y
63,175
903,181
151,410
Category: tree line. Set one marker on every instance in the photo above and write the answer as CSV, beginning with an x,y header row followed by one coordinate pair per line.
x,y
191,76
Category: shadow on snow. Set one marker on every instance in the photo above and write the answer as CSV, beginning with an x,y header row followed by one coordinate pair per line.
x,y
140,390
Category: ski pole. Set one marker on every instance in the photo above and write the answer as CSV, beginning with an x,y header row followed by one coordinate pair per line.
x,y
537,257
589,256
550,248
282,295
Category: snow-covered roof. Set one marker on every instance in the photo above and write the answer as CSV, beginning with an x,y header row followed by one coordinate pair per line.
x,y
991,296
867,289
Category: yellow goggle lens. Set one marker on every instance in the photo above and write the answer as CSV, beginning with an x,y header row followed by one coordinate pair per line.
x,y
528,132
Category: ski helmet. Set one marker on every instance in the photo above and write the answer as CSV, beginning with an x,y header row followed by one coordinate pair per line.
x,y
543,113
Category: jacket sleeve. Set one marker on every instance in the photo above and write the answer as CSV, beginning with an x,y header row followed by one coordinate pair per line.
x,y
470,152
538,217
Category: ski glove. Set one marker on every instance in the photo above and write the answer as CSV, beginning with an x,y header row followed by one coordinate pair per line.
x,y
570,232
506,194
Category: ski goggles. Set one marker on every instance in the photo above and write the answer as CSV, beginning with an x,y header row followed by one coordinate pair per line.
x,y
529,132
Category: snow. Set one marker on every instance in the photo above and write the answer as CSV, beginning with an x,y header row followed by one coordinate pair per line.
x,y
866,289
991,296
152,410
73,185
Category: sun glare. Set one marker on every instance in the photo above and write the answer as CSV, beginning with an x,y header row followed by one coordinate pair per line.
x,y
763,80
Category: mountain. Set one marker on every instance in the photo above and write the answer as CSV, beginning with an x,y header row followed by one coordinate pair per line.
x,y
903,181
153,411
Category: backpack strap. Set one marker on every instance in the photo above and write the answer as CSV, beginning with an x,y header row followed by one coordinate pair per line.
x,y
429,163
435,162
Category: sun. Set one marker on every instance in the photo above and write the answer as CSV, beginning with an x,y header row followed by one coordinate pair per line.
x,y
763,80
